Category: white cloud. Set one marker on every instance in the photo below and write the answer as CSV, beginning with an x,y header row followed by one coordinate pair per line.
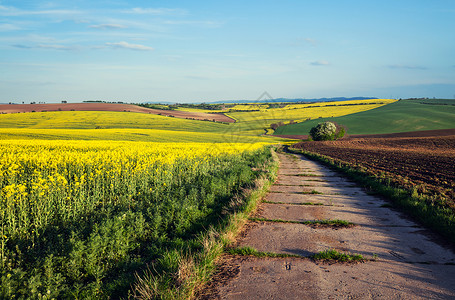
x,y
12,12
311,41
320,63
20,46
8,27
153,11
82,21
107,26
45,46
200,23
125,45
298,42
408,67
55,47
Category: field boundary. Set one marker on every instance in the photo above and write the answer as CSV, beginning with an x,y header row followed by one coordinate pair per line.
x,y
215,241
408,134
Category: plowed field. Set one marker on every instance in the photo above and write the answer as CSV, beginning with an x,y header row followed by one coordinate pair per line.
x,y
21,108
421,160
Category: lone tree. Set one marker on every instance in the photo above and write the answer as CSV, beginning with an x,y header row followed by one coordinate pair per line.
x,y
327,131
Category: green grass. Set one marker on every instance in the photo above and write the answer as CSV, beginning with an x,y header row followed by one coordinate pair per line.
x,y
401,116
288,203
309,175
314,192
337,223
250,251
189,272
333,254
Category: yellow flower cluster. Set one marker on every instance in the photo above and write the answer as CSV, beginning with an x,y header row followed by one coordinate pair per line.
x,y
42,179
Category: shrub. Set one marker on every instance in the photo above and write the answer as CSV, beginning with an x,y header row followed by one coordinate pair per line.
x,y
323,131
327,131
341,131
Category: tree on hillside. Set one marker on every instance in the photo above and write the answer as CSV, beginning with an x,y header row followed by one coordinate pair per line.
x,y
327,131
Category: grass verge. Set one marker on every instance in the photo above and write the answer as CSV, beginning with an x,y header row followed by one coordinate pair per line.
x,y
188,272
440,219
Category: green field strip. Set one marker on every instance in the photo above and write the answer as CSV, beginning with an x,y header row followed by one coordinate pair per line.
x,y
400,116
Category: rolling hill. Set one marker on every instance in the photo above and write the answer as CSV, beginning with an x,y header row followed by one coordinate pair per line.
x,y
400,116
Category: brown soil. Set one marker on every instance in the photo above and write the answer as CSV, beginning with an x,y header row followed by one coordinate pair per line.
x,y
423,133
22,108
425,161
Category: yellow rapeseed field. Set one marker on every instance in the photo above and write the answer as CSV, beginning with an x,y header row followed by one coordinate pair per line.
x,y
301,112
73,213
39,177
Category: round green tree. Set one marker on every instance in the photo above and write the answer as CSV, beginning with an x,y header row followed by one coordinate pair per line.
x,y
326,131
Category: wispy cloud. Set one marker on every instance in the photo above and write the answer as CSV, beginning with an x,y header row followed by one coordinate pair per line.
x,y
320,63
107,26
125,45
9,27
311,41
9,11
196,77
153,11
81,21
45,46
56,47
304,41
199,23
407,67
21,46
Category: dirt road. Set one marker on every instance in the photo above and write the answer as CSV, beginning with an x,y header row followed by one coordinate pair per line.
x,y
404,260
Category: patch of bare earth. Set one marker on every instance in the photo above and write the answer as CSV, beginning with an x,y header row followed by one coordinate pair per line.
x,y
423,133
22,108
424,162
402,260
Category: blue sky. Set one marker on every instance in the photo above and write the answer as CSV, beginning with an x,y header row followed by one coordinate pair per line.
x,y
187,51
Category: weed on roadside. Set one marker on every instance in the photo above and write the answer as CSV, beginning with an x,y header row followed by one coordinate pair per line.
x,y
333,254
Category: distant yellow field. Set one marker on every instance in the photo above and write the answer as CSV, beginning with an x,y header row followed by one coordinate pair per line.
x,y
265,107
300,112
257,121
103,125
104,120
231,135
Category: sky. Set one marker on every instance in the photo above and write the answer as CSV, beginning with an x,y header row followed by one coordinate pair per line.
x,y
202,51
